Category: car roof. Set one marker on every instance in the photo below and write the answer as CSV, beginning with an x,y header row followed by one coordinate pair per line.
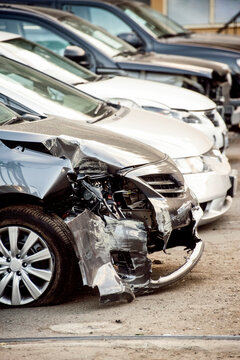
x,y
112,2
54,13
106,1
4,36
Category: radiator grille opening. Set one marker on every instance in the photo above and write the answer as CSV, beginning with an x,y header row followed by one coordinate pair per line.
x,y
211,116
165,184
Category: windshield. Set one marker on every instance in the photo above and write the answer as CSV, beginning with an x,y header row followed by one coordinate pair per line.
x,y
57,98
152,21
6,114
98,37
47,61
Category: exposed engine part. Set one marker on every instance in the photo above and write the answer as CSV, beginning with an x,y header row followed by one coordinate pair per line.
x,y
113,255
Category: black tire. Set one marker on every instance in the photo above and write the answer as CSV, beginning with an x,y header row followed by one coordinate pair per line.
x,y
52,274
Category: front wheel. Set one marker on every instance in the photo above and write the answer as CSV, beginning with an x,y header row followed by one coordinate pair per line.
x,y
36,257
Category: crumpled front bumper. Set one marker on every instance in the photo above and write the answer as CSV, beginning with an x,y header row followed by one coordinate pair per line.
x,y
113,255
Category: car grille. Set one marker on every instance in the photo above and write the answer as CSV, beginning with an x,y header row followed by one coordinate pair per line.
x,y
211,116
165,184
203,205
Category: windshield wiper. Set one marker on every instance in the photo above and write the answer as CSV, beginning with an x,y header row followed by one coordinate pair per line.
x,y
126,53
184,33
14,120
79,83
165,36
99,107
102,116
103,77
22,118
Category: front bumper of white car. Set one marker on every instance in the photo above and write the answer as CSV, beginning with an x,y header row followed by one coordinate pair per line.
x,y
214,192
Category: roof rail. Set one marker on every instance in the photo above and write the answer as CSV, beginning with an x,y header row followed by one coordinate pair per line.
x,y
50,3
232,20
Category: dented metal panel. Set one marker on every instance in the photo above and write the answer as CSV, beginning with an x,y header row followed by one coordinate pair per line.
x,y
110,241
96,239
32,173
97,242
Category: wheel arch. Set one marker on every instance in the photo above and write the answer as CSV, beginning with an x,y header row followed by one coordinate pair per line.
x,y
58,239
10,199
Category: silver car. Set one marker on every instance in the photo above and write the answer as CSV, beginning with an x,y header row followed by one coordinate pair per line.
x,y
88,207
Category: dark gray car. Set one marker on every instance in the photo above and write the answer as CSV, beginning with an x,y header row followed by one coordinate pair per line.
x,y
148,29
106,54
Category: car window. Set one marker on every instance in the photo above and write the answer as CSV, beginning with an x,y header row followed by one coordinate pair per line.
x,y
65,100
35,33
19,108
151,20
98,37
16,106
6,114
100,17
9,25
53,65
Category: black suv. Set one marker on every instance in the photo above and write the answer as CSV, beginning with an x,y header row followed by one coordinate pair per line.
x,y
107,54
149,30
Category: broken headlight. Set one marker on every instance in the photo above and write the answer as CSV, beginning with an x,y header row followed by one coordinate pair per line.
x,y
199,164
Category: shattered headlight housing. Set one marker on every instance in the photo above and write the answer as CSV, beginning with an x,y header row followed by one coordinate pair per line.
x,y
210,161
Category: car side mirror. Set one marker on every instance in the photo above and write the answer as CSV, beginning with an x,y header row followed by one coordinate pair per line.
x,y
77,54
30,117
131,38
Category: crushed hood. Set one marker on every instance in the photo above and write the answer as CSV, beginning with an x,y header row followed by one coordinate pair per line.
x,y
100,144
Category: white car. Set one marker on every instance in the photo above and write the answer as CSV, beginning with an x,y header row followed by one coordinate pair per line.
x,y
206,171
186,105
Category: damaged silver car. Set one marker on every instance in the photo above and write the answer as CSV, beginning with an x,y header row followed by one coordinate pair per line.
x,y
91,207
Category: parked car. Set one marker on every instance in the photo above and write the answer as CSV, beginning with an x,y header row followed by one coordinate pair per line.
x,y
147,28
93,198
206,171
183,104
107,54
